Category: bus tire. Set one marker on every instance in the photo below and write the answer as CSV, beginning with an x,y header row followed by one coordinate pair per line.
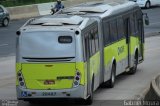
x,y
134,68
89,100
111,82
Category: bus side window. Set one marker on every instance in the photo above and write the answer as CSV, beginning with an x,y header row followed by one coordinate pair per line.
x,y
113,31
139,17
93,42
90,44
106,32
86,47
96,39
135,23
120,28
132,24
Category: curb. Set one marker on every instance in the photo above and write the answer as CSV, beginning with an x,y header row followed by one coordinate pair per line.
x,y
152,92
156,90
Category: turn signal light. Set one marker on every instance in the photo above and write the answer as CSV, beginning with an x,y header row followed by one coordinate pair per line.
x,y
21,80
76,79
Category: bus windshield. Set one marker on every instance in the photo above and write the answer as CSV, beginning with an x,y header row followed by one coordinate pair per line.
x,y
43,44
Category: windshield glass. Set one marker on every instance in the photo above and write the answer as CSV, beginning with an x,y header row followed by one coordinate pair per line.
x,y
47,45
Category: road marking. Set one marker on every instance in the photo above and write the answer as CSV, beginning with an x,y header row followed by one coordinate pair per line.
x,y
3,45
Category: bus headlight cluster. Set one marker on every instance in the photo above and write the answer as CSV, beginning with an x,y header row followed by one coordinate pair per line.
x,y
21,80
77,79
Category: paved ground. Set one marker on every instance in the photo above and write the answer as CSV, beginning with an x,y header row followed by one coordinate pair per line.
x,y
8,38
154,17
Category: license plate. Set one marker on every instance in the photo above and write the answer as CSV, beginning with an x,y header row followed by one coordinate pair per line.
x,y
49,93
49,82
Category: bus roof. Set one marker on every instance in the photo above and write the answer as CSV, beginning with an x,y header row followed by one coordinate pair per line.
x,y
59,21
73,17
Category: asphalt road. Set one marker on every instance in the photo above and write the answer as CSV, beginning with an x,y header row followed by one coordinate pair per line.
x,y
8,34
8,38
154,16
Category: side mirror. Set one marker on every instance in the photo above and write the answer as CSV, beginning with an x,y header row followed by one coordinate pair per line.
x,y
146,18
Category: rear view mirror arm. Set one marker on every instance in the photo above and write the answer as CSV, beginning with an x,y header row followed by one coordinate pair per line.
x,y
146,18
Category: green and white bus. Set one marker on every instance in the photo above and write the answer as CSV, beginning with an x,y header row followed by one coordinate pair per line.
x,y
70,54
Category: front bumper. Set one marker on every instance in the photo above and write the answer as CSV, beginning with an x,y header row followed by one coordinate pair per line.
x,y
25,94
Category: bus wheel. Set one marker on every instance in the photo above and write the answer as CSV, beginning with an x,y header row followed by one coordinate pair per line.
x,y
89,100
110,83
134,68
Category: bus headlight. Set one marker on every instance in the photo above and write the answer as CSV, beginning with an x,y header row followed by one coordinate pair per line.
x,y
77,79
21,80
